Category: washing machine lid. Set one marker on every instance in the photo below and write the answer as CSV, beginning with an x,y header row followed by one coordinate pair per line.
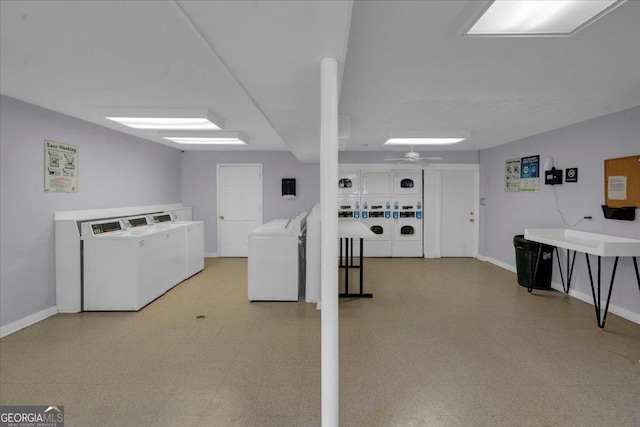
x,y
277,227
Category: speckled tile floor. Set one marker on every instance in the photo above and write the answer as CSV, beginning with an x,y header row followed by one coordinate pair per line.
x,y
448,342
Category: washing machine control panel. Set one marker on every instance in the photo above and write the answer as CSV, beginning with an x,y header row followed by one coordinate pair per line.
x,y
105,227
407,209
136,222
165,217
346,211
376,209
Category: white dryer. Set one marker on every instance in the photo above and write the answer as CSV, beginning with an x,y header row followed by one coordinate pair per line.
x,y
406,240
406,183
376,215
376,183
348,183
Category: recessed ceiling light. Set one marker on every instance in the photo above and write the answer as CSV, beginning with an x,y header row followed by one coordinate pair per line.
x,y
206,138
539,17
168,119
426,138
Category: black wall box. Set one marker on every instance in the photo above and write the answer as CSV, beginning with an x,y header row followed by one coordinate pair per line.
x,y
553,177
625,213
288,187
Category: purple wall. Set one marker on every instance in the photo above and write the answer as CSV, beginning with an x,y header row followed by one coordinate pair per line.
x,y
115,170
199,186
584,145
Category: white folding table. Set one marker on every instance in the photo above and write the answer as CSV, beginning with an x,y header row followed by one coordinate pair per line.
x,y
347,231
600,245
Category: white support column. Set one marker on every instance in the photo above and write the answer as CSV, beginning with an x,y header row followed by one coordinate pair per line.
x,y
329,239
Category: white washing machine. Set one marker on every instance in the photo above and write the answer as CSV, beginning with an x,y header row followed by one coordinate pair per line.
x,y
406,183
376,215
274,260
125,269
348,183
194,239
376,183
406,240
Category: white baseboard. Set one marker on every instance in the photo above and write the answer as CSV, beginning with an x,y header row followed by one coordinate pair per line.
x,y
588,298
619,311
504,265
27,321
211,254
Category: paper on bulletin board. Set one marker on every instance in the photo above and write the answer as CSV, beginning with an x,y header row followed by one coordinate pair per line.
x,y
512,175
60,167
617,188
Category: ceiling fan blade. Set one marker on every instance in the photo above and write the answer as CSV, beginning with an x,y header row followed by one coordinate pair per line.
x,y
430,158
395,160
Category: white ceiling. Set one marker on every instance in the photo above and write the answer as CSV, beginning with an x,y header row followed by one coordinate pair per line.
x,y
257,65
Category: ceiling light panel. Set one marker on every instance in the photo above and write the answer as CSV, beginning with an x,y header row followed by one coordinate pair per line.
x,y
166,119
423,141
208,141
427,137
205,138
540,17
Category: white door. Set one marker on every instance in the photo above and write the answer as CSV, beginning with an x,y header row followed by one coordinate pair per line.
x,y
459,217
239,207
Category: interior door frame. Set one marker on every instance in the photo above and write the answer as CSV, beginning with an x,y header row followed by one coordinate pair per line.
x,y
218,220
432,225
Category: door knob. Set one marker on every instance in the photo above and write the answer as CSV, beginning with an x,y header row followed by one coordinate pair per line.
x,y
221,216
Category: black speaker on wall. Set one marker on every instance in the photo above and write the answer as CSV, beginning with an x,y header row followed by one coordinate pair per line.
x,y
288,187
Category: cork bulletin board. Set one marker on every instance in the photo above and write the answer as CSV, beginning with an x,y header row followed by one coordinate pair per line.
x,y
622,182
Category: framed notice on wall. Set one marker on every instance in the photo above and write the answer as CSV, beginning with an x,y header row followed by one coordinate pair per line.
x,y
522,175
60,167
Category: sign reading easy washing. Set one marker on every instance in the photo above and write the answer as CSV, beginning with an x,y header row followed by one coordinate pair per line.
x,y
60,167
522,175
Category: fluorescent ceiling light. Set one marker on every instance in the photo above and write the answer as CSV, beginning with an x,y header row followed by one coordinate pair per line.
x,y
208,141
158,119
427,138
206,138
423,141
540,17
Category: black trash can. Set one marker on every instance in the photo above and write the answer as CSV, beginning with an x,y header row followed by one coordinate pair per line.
x,y
526,254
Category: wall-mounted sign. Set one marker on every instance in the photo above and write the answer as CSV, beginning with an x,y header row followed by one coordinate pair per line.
x,y
512,175
522,175
60,167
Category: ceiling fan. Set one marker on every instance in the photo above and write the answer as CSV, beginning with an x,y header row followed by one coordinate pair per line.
x,y
412,157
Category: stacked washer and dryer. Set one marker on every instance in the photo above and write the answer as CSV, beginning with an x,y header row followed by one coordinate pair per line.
x,y
389,203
